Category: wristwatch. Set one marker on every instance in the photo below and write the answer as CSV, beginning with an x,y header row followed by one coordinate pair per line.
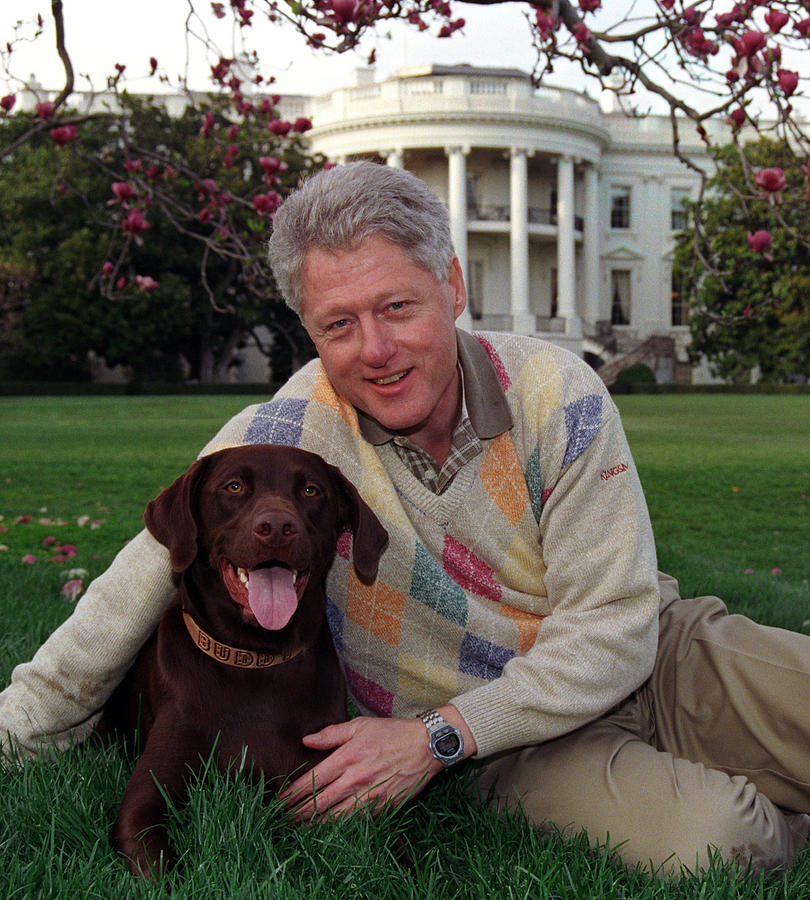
x,y
446,741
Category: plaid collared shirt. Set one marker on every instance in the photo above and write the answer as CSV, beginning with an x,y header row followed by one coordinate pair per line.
x,y
464,447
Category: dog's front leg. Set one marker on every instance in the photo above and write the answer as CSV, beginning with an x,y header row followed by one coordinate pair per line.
x,y
139,832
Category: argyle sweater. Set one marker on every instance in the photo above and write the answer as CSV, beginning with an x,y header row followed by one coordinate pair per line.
x,y
525,594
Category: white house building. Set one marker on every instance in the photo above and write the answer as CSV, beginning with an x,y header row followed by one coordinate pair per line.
x,y
563,212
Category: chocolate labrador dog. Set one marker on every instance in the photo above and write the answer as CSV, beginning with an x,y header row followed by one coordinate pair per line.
x,y
243,661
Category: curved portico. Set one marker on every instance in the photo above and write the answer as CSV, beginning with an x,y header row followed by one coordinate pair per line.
x,y
518,169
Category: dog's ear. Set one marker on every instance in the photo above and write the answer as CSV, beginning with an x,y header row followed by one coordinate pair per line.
x,y
170,517
369,537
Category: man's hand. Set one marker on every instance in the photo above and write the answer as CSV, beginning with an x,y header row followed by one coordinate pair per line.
x,y
374,761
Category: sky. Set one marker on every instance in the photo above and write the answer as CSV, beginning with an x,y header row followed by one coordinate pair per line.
x,y
99,35
98,38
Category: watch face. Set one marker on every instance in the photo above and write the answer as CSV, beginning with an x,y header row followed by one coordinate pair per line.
x,y
448,744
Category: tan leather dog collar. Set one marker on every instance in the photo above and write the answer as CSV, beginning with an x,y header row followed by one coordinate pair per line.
x,y
234,656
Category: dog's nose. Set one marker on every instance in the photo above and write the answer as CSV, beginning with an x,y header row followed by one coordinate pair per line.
x,y
275,526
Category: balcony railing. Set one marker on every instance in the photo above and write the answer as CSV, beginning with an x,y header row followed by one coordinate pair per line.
x,y
488,212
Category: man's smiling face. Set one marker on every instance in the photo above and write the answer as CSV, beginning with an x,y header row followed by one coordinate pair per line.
x,y
384,329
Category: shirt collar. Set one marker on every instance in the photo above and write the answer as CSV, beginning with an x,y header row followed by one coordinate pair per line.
x,y
482,396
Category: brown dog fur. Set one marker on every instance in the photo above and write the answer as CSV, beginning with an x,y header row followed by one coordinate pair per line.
x,y
248,505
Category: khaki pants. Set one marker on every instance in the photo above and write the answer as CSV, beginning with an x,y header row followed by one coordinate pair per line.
x,y
711,753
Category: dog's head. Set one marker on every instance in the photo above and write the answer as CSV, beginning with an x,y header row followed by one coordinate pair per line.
x,y
267,519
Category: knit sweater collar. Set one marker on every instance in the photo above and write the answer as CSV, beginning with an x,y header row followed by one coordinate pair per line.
x,y
484,397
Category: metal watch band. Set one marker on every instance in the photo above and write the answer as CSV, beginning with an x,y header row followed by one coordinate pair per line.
x,y
439,731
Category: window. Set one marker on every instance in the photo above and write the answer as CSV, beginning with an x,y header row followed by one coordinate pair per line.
x,y
678,216
680,302
620,207
554,304
475,288
620,296
473,192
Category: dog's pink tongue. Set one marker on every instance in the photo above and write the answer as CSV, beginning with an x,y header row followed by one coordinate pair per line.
x,y
271,596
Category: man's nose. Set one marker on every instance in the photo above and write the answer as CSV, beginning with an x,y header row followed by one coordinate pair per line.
x,y
377,344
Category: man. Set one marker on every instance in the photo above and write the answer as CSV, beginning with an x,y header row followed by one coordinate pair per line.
x,y
517,607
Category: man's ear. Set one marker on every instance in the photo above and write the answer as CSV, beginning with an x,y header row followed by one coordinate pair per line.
x,y
171,516
455,279
369,538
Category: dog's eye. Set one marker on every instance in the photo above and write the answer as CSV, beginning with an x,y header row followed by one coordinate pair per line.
x,y
311,491
234,487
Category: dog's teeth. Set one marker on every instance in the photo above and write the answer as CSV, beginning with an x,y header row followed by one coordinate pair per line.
x,y
295,575
243,576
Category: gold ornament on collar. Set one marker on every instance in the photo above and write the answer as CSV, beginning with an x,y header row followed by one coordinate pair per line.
x,y
234,656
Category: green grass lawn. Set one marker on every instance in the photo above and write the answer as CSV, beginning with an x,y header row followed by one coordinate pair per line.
x,y
727,480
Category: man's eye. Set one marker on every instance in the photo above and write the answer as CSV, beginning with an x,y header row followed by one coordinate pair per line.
x,y
337,325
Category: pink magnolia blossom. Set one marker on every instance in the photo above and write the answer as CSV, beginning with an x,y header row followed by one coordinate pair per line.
x,y
279,128
208,125
7,102
204,215
207,187
135,224
123,191
776,20
146,283
582,33
788,81
545,23
218,10
692,16
266,203
737,117
153,64
760,241
771,181
589,5
803,27
345,10
272,164
45,109
107,269
750,43
63,135
698,45
301,124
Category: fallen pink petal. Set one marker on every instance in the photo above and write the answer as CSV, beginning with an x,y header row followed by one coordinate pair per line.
x,y
71,589
49,541
776,571
29,559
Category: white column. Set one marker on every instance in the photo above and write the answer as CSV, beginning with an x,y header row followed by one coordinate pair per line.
x,y
523,322
566,248
394,158
591,247
457,208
